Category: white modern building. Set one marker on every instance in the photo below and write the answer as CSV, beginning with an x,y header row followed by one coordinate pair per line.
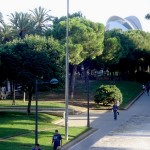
x,y
128,23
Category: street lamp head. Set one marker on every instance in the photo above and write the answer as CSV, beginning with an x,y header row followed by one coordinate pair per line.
x,y
53,81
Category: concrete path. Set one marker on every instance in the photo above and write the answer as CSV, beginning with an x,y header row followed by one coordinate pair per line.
x,y
130,132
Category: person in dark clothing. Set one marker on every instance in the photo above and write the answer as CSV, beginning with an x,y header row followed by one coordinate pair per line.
x,y
115,110
37,147
56,140
147,88
144,88
118,104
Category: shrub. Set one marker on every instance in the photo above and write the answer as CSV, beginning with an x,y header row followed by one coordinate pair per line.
x,y
107,94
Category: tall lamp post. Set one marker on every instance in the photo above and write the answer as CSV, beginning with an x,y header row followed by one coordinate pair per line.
x,y
67,75
36,112
88,102
53,81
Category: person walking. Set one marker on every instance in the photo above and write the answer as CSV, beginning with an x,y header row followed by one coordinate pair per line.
x,y
115,110
143,88
118,104
147,88
37,147
56,140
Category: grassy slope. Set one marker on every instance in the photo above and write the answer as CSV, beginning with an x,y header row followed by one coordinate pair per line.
x,y
17,131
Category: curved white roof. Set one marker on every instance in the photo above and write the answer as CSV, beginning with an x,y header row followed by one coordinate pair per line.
x,y
135,22
128,23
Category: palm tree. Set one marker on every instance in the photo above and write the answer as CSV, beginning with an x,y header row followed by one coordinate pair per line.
x,y
42,19
5,33
5,30
1,18
21,23
147,16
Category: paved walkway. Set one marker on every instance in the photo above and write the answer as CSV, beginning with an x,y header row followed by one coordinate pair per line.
x,y
130,132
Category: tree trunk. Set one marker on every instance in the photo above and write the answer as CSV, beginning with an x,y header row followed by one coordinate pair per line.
x,y
24,96
29,100
14,93
72,81
85,74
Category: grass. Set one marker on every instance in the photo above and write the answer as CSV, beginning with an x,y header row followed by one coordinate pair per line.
x,y
52,99
41,103
17,129
129,90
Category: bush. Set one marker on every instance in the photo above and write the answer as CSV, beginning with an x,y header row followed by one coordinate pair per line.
x,y
107,94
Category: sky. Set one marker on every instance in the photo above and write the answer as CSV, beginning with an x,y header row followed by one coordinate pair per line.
x,y
94,10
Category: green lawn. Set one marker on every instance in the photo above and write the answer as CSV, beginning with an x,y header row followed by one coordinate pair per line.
x,y
17,129
20,103
53,99
129,90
